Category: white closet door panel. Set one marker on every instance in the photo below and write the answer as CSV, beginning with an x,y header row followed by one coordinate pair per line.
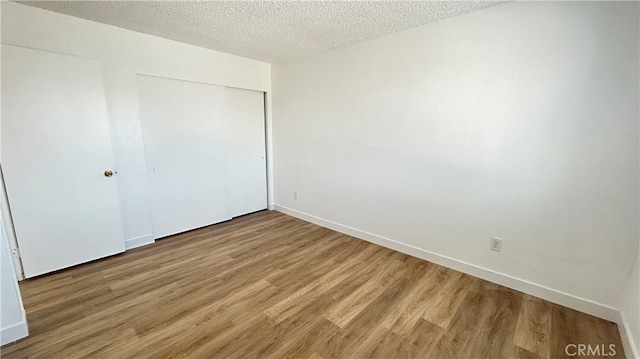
x,y
183,128
55,150
247,165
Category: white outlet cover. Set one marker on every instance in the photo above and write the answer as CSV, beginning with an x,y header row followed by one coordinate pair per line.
x,y
496,244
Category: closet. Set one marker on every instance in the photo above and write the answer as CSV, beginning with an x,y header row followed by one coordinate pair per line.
x,y
204,151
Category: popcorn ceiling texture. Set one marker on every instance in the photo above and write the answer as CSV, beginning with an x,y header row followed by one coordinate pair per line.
x,y
269,31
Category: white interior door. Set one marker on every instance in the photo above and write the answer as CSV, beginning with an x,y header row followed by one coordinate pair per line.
x,y
247,165
183,128
55,151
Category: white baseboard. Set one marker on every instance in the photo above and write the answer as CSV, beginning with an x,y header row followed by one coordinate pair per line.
x,y
14,332
628,341
555,296
139,241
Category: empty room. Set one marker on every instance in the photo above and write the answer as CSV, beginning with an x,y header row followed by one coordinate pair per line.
x,y
320,179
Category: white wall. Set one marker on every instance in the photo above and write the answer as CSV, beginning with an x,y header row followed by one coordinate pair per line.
x,y
124,53
13,322
519,121
630,311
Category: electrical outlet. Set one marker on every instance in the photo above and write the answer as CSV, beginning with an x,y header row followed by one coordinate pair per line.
x,y
295,195
496,244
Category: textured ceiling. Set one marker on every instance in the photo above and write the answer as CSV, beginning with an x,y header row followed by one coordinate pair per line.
x,y
269,31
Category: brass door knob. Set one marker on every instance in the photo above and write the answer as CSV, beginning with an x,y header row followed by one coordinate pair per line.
x,y
108,173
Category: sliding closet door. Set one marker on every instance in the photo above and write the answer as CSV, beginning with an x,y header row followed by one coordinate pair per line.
x,y
183,128
247,165
57,159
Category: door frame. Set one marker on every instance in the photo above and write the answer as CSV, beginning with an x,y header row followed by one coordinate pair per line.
x,y
9,230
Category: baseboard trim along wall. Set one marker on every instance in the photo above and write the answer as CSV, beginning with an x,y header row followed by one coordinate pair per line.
x,y
555,296
138,241
626,336
14,332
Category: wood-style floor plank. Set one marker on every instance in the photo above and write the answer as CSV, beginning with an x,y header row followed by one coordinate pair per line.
x,y
534,326
348,308
267,285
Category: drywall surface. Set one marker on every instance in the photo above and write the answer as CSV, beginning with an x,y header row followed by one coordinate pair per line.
x,y
13,323
630,311
124,53
518,121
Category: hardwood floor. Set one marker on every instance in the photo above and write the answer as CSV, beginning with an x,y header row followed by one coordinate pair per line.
x,y
268,286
